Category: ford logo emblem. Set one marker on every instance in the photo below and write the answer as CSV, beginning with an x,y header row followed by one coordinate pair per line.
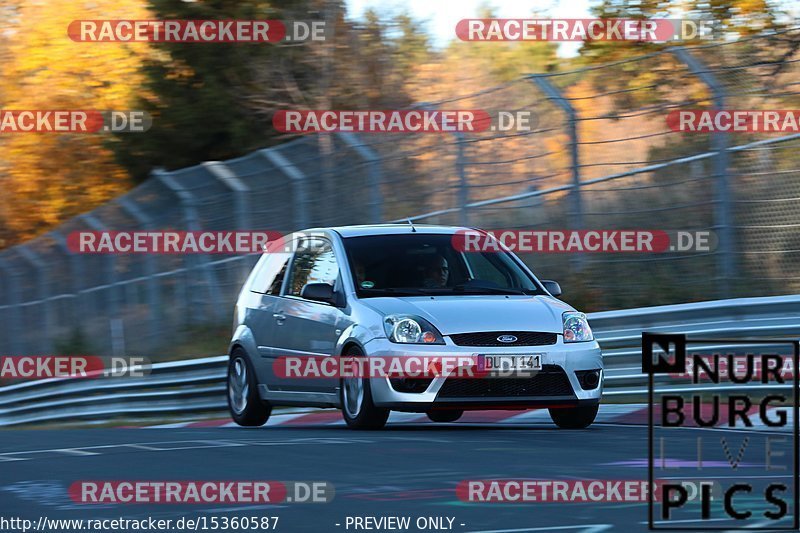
x,y
507,338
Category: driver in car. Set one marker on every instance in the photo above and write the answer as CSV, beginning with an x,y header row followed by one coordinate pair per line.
x,y
437,272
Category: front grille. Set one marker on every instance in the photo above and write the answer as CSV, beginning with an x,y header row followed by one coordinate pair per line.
x,y
489,338
550,381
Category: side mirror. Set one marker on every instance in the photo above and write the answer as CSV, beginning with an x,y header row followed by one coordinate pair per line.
x,y
552,287
319,292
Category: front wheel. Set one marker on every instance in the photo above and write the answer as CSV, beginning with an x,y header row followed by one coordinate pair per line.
x,y
445,416
574,417
244,403
358,410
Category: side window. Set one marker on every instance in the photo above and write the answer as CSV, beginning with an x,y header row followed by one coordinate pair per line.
x,y
269,278
314,262
277,283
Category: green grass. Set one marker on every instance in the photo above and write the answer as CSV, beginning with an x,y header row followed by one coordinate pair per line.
x,y
200,342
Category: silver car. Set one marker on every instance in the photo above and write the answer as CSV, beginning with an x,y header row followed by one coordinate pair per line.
x,y
400,291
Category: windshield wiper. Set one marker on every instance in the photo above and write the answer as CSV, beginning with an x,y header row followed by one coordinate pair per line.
x,y
443,291
489,290
397,291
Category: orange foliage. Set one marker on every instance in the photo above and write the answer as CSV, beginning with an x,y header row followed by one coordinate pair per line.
x,y
48,177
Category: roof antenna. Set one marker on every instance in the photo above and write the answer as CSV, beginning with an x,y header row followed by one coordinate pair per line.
x,y
413,229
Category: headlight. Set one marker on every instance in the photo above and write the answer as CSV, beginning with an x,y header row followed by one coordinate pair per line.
x,y
406,329
576,327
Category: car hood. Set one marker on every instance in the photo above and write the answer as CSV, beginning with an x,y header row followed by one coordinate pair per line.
x,y
464,314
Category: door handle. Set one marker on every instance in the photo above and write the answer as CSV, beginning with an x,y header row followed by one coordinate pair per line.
x,y
279,318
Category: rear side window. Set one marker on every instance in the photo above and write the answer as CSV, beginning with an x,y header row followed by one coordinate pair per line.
x,y
269,278
314,262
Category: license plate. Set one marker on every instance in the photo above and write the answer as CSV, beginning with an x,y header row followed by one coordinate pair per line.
x,y
508,363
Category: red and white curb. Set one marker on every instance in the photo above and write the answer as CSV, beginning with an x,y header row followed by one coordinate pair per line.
x,y
611,413
628,414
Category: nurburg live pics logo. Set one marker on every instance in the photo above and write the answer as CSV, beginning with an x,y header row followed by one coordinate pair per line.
x,y
755,468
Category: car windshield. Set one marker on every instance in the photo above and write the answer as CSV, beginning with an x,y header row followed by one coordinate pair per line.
x,y
417,264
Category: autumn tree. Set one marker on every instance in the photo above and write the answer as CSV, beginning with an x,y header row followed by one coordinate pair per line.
x,y
217,101
732,19
194,91
46,178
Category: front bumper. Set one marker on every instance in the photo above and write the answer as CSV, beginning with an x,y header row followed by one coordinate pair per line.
x,y
567,357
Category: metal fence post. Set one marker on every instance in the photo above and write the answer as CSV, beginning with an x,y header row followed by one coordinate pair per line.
x,y
461,171
375,174
719,144
241,200
552,93
240,191
463,181
113,305
76,278
13,322
5,310
44,342
187,201
298,180
153,293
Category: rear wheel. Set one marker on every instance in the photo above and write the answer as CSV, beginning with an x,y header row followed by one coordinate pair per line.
x,y
244,403
574,417
358,410
445,416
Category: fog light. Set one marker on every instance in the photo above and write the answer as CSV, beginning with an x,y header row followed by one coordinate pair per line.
x,y
589,379
410,385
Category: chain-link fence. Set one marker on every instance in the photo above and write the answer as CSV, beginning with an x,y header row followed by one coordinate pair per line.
x,y
599,157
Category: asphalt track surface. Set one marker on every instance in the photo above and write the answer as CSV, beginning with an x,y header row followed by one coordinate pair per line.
x,y
407,469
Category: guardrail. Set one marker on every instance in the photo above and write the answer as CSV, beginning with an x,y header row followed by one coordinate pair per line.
x,y
197,386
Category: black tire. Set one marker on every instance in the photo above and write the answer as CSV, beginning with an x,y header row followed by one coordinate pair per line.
x,y
366,415
254,411
449,415
574,417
